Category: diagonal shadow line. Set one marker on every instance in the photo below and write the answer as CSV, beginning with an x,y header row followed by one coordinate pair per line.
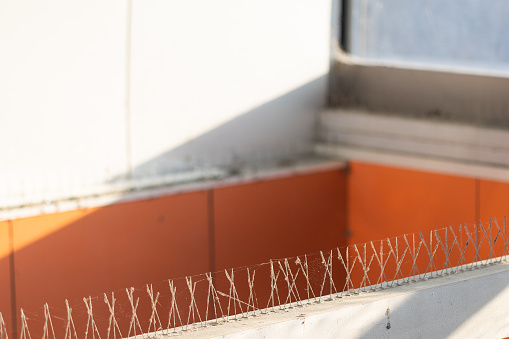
x,y
280,128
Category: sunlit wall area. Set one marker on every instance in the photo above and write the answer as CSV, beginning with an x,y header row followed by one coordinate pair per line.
x,y
93,92
62,76
222,81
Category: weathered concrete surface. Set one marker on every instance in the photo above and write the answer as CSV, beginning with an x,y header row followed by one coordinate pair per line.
x,y
472,304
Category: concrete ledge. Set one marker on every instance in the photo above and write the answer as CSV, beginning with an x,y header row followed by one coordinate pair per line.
x,y
455,141
470,304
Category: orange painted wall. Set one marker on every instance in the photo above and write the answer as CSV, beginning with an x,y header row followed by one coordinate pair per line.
x,y
5,276
87,252
386,201
81,253
494,203
276,219
279,218
494,199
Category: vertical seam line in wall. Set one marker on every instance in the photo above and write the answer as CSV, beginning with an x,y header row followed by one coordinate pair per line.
x,y
12,281
128,150
211,232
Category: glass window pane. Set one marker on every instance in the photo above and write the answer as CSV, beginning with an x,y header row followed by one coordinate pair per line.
x,y
451,33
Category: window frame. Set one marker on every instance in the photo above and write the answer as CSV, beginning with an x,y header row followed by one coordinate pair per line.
x,y
410,90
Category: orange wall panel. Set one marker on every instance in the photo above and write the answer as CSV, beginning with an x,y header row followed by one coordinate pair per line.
x,y
493,200
5,275
81,253
279,218
387,201
493,204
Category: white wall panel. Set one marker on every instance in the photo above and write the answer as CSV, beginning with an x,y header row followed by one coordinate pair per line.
x,y
210,78
62,75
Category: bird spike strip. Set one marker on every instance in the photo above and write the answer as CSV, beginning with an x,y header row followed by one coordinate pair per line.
x,y
230,295
3,329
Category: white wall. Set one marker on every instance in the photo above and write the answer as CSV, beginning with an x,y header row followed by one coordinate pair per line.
x,y
210,82
61,92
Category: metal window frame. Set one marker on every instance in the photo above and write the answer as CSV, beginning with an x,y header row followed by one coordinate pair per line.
x,y
412,91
